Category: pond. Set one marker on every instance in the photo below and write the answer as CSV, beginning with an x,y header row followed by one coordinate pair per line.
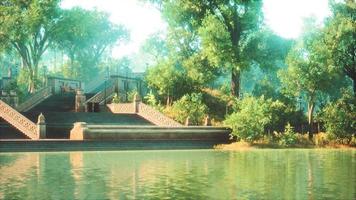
x,y
180,174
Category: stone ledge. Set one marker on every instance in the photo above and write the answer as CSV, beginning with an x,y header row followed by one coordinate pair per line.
x,y
83,131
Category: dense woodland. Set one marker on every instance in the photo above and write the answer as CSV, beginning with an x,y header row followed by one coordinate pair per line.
x,y
217,59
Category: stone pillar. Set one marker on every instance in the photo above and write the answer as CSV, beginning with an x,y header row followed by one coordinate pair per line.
x,y
80,101
41,127
207,121
188,122
136,102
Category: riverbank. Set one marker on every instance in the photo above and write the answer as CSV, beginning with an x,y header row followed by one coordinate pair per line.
x,y
242,145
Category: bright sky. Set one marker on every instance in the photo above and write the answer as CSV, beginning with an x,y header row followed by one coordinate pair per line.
x,y
283,16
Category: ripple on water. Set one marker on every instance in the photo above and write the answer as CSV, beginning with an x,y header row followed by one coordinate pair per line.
x,y
255,174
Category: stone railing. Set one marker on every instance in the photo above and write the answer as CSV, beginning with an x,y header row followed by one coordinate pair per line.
x,y
102,95
155,116
89,87
19,121
122,108
147,112
35,99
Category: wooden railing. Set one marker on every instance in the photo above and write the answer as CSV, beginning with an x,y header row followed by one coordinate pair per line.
x,y
35,99
19,121
103,95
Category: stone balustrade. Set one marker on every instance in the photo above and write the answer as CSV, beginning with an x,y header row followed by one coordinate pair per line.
x,y
19,121
35,99
122,108
155,116
147,112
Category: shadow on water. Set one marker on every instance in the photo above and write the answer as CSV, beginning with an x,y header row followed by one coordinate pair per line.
x,y
192,174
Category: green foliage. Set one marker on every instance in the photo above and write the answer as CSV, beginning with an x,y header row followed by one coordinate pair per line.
x,y
150,98
131,95
288,137
28,27
249,119
116,98
340,117
85,36
308,74
253,117
339,38
191,106
170,81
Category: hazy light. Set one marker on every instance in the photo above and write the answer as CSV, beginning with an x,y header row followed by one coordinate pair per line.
x,y
285,17
140,18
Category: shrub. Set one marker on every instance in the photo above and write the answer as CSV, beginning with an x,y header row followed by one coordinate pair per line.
x,y
340,117
288,137
116,98
131,95
190,106
249,119
150,99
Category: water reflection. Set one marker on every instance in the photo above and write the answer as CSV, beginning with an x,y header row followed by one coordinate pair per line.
x,y
256,174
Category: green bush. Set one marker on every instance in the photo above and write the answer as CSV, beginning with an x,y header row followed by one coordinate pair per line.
x,y
150,99
131,94
249,119
116,98
255,116
190,106
340,117
288,137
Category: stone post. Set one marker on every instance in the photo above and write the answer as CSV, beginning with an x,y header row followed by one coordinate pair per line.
x,y
207,121
41,127
188,122
136,102
80,101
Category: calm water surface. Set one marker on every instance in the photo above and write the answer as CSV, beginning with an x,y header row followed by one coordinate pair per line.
x,y
195,174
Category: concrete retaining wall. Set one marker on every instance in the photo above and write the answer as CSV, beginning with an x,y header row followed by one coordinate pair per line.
x,y
83,131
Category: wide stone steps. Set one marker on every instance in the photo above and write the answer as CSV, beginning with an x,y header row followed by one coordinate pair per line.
x,y
59,124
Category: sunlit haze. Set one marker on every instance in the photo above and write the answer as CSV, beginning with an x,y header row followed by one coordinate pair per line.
x,y
283,16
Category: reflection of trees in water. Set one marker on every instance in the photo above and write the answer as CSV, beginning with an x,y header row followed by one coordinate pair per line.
x,y
268,174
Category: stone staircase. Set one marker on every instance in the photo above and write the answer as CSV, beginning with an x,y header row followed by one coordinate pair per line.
x,y
35,99
17,120
56,103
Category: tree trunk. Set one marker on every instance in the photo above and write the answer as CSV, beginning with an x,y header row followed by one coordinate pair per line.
x,y
354,80
310,119
235,82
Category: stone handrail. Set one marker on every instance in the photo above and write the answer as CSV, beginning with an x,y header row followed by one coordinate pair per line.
x,y
94,84
102,95
155,116
147,112
122,108
35,99
19,121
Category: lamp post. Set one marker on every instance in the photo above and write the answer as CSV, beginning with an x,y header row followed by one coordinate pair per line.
x,y
106,79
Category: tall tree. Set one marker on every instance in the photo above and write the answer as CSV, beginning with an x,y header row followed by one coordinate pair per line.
x,y
308,74
227,30
340,38
28,27
85,35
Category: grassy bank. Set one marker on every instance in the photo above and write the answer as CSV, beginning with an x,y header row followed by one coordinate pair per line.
x,y
320,140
